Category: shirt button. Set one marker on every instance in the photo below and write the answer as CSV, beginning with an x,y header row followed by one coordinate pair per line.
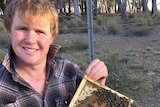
x,y
65,102
47,82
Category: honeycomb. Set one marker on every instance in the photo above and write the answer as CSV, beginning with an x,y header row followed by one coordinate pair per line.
x,y
93,94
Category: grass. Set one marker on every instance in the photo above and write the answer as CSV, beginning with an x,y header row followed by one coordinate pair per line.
x,y
4,40
138,31
131,70
2,54
2,28
143,19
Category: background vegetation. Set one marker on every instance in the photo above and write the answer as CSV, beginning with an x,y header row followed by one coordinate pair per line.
x,y
130,49
133,68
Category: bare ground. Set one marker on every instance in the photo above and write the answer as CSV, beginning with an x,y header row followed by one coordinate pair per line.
x,y
142,65
133,62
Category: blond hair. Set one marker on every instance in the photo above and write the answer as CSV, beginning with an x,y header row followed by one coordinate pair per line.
x,y
31,11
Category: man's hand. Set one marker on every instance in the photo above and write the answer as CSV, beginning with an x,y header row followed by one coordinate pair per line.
x,y
97,71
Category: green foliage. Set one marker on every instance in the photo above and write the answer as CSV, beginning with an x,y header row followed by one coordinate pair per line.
x,y
138,31
110,23
95,27
4,40
73,23
80,45
2,54
117,78
2,28
113,29
77,45
108,20
77,26
63,27
101,20
73,26
114,20
143,19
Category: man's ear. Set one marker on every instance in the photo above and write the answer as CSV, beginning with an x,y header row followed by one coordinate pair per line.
x,y
52,39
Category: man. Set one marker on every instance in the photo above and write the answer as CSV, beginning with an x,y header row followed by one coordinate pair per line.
x,y
31,75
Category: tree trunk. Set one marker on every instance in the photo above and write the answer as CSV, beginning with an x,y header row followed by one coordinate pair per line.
x,y
60,8
139,6
76,9
83,7
2,5
145,7
56,5
69,7
122,9
124,4
95,8
154,8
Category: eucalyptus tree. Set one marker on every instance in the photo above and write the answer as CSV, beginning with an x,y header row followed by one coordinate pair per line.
x,y
69,7
76,9
2,4
56,4
95,8
60,8
154,8
83,7
122,8
144,5
103,6
110,5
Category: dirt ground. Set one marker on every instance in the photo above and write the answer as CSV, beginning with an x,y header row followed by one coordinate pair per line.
x,y
145,53
138,58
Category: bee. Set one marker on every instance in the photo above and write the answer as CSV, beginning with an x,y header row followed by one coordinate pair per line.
x,y
110,99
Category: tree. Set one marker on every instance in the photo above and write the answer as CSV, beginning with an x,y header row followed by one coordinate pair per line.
x,y
76,9
145,7
83,7
2,5
154,8
56,4
122,9
60,8
69,7
95,8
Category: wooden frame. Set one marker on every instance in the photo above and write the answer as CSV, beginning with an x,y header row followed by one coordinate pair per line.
x,y
93,94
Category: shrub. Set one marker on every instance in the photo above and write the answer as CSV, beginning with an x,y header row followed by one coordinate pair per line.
x,y
73,26
101,20
144,19
138,31
4,41
2,28
80,45
114,20
63,28
2,54
113,29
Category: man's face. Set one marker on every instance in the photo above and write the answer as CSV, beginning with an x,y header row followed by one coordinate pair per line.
x,y
30,42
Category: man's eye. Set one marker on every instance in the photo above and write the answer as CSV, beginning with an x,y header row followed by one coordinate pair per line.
x,y
40,32
23,28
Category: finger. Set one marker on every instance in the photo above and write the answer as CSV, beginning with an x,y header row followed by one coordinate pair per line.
x,y
94,70
98,72
92,65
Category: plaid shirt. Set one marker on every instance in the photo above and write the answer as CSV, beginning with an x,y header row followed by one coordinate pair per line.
x,y
63,78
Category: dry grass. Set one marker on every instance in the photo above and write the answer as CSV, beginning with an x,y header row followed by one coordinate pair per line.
x,y
131,55
132,63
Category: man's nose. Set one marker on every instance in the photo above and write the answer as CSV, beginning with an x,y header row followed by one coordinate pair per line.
x,y
31,36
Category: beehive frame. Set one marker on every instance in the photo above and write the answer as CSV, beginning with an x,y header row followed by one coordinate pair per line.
x,y
93,94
